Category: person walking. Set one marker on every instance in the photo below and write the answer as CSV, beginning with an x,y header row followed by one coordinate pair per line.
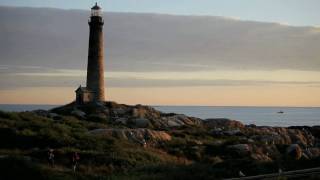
x,y
75,160
51,157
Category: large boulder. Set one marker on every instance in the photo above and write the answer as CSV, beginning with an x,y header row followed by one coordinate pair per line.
x,y
173,121
177,120
261,157
294,151
241,149
141,122
78,113
120,111
122,120
139,112
312,152
223,123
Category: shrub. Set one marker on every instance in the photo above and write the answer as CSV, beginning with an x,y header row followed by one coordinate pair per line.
x,y
9,115
19,168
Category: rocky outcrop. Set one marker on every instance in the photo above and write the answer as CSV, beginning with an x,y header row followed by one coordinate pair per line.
x,y
279,135
147,126
264,143
137,116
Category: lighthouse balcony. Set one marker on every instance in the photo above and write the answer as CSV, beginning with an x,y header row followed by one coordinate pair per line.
x,y
96,20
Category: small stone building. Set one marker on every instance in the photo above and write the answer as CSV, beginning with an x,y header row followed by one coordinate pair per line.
x,y
83,95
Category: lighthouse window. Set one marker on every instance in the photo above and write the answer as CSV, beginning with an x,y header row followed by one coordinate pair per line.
x,y
95,12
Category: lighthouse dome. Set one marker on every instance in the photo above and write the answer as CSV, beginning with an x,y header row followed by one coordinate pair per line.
x,y
96,10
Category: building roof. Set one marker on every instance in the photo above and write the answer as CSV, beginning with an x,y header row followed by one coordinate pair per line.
x,y
82,89
96,7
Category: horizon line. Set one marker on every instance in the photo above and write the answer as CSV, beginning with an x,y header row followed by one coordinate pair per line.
x,y
155,105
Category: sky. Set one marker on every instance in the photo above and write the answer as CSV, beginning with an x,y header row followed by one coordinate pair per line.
x,y
293,12
234,57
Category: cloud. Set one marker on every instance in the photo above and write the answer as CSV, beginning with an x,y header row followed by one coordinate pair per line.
x,y
48,48
30,81
136,42
45,77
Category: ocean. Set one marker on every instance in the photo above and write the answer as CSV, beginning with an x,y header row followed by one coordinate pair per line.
x,y
261,116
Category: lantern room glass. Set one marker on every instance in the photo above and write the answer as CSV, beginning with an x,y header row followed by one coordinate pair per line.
x,y
96,12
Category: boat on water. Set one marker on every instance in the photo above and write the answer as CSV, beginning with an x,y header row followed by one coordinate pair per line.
x,y
280,112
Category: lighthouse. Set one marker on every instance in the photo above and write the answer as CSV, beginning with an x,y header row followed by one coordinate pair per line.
x,y
94,91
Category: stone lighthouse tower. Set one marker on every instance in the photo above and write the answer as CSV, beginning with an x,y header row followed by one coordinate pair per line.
x,y
94,92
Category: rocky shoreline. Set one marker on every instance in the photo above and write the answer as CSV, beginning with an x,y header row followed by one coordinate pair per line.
x,y
128,138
